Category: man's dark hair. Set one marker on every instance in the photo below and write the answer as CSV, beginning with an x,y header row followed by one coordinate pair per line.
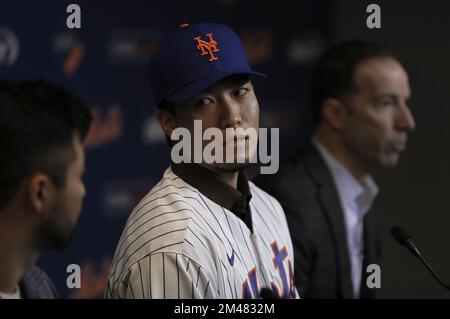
x,y
333,74
38,123
168,107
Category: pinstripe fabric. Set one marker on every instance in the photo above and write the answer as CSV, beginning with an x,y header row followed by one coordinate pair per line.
x,y
179,244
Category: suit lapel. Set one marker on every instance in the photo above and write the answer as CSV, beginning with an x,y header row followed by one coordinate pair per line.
x,y
329,199
370,254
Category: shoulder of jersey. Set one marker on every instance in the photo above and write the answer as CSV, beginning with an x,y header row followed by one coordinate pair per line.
x,y
261,194
160,220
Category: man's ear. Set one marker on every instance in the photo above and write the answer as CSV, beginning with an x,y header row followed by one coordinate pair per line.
x,y
333,113
41,193
166,121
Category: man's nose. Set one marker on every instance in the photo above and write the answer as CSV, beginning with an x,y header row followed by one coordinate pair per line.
x,y
404,119
231,113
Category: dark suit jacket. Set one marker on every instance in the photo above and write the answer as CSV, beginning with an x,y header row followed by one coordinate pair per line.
x,y
307,192
35,284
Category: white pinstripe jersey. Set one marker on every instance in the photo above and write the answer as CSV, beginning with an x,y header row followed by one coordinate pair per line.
x,y
177,243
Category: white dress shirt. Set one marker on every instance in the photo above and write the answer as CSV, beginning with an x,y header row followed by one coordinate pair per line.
x,y
356,199
14,295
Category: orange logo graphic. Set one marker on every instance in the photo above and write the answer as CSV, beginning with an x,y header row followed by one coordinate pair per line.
x,y
258,45
93,283
207,47
74,58
105,129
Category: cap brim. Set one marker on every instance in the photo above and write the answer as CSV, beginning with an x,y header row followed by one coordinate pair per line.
x,y
195,87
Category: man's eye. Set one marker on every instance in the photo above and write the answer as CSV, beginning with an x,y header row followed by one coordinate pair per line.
x,y
385,102
241,92
203,102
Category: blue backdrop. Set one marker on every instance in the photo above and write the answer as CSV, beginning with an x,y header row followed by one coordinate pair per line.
x,y
105,62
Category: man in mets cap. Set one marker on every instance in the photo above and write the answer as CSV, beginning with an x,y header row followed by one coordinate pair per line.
x,y
204,231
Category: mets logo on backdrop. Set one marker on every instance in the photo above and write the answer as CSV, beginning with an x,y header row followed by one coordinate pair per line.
x,y
70,50
206,47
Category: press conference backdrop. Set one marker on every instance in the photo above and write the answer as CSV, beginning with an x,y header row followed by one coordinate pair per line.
x,y
105,63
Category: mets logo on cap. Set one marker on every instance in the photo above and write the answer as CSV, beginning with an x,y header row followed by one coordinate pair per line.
x,y
207,47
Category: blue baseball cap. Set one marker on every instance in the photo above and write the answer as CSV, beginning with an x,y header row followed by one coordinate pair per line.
x,y
193,58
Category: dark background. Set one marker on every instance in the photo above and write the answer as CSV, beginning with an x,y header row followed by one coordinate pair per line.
x,y
105,64
416,193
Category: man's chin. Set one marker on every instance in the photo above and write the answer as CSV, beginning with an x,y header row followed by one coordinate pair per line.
x,y
390,161
54,239
61,242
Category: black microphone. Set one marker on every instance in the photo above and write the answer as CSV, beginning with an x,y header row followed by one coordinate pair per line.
x,y
405,240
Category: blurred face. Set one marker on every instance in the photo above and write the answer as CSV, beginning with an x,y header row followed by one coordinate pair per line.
x,y
230,103
63,217
378,119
